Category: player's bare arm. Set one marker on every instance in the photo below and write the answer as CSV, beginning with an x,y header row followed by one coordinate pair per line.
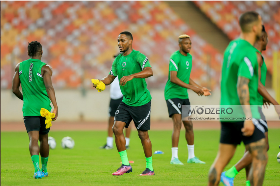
x,y
16,83
205,90
107,80
176,80
244,97
47,73
145,73
262,90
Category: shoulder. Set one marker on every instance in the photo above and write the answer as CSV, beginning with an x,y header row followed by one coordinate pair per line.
x,y
46,68
17,67
176,55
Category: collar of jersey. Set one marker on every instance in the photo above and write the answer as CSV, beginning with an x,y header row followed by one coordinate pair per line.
x,y
128,54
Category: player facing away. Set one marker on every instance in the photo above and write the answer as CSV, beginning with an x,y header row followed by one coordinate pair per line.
x,y
34,76
132,67
176,95
116,98
228,176
239,86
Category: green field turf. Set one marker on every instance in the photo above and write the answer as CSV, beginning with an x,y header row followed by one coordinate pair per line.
x,y
86,164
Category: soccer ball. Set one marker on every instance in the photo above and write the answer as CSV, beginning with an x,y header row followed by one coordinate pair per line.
x,y
67,143
278,157
51,142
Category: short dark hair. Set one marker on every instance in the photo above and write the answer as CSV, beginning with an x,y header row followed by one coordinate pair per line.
x,y
263,29
247,19
33,48
128,34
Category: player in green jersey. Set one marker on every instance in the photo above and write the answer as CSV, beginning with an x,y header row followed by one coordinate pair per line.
x,y
239,86
176,95
132,67
263,94
34,76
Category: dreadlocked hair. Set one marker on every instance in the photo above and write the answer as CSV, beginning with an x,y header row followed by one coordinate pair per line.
x,y
33,48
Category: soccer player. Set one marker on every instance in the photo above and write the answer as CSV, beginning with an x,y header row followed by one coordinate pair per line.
x,y
116,98
176,95
228,176
34,76
132,67
239,86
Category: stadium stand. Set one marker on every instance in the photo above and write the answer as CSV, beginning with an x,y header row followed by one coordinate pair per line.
x,y
80,39
225,15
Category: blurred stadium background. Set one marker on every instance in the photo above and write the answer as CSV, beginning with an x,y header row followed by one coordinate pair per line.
x,y
80,38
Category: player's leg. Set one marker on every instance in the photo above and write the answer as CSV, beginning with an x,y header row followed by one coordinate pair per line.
x,y
122,119
258,150
32,125
44,146
127,136
225,153
175,112
141,118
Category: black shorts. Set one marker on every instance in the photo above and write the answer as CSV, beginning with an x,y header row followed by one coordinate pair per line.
x,y
35,123
140,115
114,103
231,133
263,120
174,105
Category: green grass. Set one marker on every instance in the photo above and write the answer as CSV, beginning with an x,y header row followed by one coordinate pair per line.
x,y
86,164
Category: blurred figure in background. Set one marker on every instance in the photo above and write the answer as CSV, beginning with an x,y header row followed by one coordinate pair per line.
x,y
116,98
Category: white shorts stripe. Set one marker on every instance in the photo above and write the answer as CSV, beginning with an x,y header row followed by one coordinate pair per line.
x,y
174,64
172,103
258,125
142,122
264,123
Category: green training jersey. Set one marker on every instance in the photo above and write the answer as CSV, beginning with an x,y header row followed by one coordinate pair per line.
x,y
263,78
34,91
135,92
183,65
240,60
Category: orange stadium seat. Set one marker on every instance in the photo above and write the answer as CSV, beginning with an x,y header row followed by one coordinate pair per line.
x,y
270,11
80,38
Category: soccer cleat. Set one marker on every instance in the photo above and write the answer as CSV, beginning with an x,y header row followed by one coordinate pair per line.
x,y
37,175
227,181
123,169
106,147
44,174
195,160
147,172
176,161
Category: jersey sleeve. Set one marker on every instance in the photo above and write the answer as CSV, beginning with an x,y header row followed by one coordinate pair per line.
x,y
143,61
113,70
174,63
246,68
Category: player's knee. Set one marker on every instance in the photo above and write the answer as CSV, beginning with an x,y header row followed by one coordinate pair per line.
x,y
188,125
177,124
142,135
117,130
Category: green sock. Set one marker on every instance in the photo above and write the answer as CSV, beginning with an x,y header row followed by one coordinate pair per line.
x,y
248,183
232,172
124,158
35,160
44,163
149,163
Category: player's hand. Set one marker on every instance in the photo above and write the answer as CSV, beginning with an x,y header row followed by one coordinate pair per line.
x,y
197,90
125,79
55,111
206,91
248,128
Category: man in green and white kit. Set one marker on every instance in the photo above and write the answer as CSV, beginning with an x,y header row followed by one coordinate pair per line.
x,y
34,76
132,67
228,177
176,95
239,87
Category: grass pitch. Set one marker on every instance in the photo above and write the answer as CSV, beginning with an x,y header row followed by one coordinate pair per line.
x,y
86,164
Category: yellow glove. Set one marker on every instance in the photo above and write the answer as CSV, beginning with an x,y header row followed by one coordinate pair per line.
x,y
100,86
49,116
